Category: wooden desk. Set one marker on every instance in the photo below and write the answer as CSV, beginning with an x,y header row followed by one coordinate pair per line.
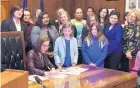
x,y
106,78
14,79
48,83
94,78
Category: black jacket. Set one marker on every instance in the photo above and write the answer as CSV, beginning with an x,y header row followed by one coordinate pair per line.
x,y
9,25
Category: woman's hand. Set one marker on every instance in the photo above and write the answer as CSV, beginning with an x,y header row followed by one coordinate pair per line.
x,y
128,55
73,65
94,65
51,72
125,23
59,68
51,54
46,73
91,64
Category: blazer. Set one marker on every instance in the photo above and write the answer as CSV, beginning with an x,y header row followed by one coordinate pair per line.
x,y
114,36
60,50
9,25
37,65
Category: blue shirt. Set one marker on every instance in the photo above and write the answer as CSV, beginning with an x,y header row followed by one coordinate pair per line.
x,y
94,53
114,37
67,61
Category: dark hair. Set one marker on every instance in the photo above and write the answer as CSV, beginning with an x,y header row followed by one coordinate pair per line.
x,y
26,9
98,14
78,8
115,12
34,18
91,8
14,8
39,19
39,42
126,13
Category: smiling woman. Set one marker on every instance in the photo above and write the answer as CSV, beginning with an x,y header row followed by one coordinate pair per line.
x,y
13,23
114,33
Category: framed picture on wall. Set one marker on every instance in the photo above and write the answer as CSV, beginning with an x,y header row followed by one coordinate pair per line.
x,y
139,4
110,9
112,0
131,4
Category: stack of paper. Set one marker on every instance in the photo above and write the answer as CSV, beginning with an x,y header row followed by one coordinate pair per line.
x,y
56,75
31,78
73,70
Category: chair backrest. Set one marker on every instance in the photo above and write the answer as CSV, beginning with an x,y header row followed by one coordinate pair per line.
x,y
13,50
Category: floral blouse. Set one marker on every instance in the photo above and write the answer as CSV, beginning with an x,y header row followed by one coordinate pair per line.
x,y
131,39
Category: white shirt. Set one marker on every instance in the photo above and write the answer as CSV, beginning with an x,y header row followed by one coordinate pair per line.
x,y
18,25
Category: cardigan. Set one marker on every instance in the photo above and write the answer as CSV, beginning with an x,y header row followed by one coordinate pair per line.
x,y
60,50
37,32
114,37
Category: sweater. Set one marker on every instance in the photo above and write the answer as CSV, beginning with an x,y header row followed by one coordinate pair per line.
x,y
94,53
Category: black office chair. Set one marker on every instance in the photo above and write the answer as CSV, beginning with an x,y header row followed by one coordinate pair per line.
x,y
13,50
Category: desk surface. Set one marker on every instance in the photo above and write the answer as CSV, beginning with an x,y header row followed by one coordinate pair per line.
x,y
93,78
12,78
107,78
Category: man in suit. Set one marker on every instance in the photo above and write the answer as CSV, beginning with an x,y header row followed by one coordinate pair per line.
x,y
13,23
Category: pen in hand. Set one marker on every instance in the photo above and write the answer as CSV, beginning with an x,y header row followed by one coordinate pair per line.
x,y
49,68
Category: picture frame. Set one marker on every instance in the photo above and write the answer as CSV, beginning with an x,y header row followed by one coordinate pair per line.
x,y
110,9
112,0
139,4
131,4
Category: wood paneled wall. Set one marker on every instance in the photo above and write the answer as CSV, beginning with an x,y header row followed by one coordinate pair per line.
x,y
52,5
4,10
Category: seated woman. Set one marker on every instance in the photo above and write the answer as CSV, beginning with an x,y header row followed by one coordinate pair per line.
x,y
94,48
66,49
37,61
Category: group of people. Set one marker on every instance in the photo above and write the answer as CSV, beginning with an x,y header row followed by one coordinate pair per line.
x,y
96,40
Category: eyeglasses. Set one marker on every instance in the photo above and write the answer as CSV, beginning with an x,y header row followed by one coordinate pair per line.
x,y
26,15
46,46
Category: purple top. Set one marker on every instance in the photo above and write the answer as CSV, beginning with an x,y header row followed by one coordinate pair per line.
x,y
37,64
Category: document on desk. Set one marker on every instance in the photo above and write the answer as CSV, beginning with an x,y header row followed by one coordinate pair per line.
x,y
56,75
73,70
31,78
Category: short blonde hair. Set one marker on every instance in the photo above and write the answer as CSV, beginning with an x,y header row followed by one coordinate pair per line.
x,y
67,25
58,11
137,13
64,12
